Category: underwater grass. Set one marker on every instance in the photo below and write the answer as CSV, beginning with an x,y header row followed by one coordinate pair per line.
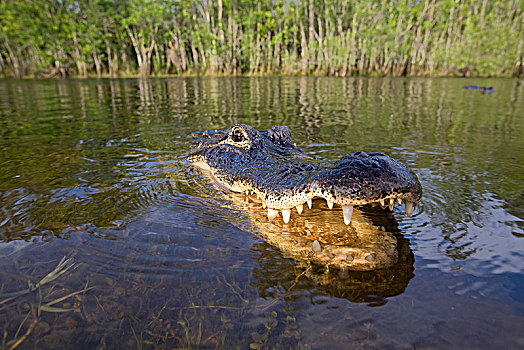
x,y
39,303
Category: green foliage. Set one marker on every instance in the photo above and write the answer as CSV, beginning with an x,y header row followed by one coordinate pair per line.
x,y
336,37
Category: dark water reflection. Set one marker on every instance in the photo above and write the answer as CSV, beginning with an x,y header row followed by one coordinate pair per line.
x,y
94,170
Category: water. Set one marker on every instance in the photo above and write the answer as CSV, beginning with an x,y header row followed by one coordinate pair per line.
x,y
94,171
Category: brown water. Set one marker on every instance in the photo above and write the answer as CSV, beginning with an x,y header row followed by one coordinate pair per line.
x,y
94,171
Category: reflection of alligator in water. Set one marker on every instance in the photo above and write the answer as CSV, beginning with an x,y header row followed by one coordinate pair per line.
x,y
356,286
268,165
483,89
320,237
374,229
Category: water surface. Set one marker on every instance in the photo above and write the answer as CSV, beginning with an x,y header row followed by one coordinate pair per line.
x,y
94,171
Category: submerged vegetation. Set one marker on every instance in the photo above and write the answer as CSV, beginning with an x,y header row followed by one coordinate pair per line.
x,y
38,304
229,37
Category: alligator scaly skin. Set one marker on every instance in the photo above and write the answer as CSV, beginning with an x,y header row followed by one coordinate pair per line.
x,y
267,163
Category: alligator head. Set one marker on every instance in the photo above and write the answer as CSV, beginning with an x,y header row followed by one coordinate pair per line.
x,y
267,163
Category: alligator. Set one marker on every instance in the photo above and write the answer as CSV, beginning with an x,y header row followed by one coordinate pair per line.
x,y
271,168
268,164
483,89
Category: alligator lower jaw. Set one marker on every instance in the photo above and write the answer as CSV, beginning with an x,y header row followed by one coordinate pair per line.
x,y
318,237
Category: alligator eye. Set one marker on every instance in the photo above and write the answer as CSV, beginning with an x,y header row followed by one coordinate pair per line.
x,y
237,136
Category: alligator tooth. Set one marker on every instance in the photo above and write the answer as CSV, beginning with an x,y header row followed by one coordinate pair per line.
x,y
399,201
409,207
272,213
300,208
309,203
330,204
348,212
286,213
371,257
391,204
382,203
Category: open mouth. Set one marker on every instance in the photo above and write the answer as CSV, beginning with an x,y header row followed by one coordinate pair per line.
x,y
318,235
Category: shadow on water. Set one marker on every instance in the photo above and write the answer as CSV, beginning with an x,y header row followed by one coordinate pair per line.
x,y
92,171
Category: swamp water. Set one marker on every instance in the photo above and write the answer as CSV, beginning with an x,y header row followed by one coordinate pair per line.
x,y
108,239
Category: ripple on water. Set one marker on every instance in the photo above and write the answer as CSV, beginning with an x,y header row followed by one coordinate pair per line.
x,y
460,222
93,170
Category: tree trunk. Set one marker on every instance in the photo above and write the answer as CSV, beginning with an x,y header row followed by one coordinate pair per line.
x,y
181,49
110,67
13,57
311,33
77,56
98,64
304,53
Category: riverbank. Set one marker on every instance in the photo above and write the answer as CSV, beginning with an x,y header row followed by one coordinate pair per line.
x,y
212,38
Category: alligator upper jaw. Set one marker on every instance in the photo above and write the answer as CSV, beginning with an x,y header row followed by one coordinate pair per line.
x,y
350,182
